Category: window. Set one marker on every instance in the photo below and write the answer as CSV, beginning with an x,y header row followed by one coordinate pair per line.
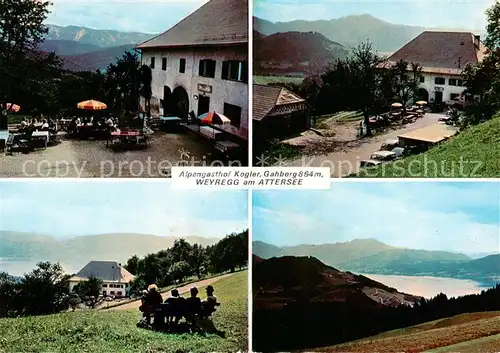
x,y
207,68
103,292
454,96
182,66
233,112
152,62
422,79
460,83
105,285
439,81
112,292
119,293
234,70
452,81
164,64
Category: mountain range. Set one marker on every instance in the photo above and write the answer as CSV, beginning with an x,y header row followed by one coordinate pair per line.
x,y
20,251
95,37
375,257
351,30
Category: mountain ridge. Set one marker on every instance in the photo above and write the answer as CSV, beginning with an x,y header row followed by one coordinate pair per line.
x,y
353,29
23,248
371,256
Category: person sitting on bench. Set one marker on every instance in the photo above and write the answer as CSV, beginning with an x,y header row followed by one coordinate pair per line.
x,y
151,302
175,307
208,306
193,309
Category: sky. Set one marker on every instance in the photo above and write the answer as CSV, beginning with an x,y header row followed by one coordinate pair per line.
x,y
445,14
148,16
73,208
462,217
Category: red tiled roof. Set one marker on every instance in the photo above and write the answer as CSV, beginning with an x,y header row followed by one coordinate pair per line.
x,y
266,98
218,22
438,51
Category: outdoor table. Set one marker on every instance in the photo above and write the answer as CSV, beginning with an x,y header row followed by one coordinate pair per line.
x,y
41,135
84,125
170,121
227,147
209,132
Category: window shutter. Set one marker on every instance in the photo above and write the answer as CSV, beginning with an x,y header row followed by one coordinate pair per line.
x,y
244,73
200,71
225,70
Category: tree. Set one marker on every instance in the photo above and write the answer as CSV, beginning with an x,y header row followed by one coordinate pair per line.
x,y
21,30
197,260
7,288
44,290
483,79
364,68
180,270
405,82
90,291
132,265
492,40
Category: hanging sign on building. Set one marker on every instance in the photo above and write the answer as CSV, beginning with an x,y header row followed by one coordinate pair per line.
x,y
204,88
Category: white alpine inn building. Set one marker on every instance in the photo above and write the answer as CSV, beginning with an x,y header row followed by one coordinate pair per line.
x,y
443,56
201,65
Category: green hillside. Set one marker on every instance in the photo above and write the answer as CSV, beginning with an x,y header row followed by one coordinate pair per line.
x,y
473,332
116,331
474,153
308,52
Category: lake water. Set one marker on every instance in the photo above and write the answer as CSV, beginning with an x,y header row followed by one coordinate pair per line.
x,y
20,267
428,287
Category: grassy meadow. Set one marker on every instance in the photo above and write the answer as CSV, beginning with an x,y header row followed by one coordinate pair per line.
x,y
471,154
481,330
116,331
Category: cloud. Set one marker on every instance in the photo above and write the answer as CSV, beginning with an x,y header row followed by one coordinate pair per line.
x,y
430,216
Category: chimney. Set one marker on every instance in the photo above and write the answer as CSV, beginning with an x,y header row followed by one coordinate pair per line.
x,y
477,41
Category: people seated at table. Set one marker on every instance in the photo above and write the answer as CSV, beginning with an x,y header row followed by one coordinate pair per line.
x,y
45,125
78,121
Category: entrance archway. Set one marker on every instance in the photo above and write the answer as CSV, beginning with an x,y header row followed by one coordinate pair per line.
x,y
422,94
180,103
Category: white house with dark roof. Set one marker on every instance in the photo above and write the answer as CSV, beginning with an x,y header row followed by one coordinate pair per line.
x,y
443,56
201,64
115,278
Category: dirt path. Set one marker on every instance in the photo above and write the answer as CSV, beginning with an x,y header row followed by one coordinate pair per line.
x,y
182,290
346,161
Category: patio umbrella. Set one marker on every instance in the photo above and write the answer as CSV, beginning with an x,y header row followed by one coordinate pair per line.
x,y
421,102
13,108
91,105
214,118
396,105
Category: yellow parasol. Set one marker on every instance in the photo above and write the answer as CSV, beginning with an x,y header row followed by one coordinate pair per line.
x,y
91,105
396,105
421,102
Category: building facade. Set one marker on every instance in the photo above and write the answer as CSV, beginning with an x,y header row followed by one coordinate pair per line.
x,y
201,65
116,280
443,57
